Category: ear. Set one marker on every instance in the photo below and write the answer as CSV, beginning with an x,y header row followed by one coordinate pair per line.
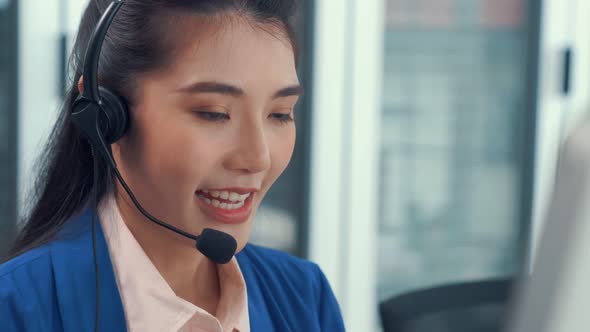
x,y
81,85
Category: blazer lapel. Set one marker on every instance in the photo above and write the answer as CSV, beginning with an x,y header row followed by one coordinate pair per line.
x,y
73,268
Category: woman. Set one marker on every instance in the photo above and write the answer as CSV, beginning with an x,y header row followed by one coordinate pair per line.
x,y
210,87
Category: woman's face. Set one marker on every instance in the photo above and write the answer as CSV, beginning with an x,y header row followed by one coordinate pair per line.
x,y
212,132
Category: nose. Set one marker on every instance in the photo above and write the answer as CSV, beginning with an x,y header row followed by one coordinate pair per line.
x,y
252,153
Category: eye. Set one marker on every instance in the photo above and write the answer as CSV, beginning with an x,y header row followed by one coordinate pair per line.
x,y
212,116
282,118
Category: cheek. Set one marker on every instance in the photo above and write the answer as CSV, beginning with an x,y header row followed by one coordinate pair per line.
x,y
175,155
281,149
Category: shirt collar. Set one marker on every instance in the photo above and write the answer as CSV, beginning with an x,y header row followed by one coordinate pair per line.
x,y
149,302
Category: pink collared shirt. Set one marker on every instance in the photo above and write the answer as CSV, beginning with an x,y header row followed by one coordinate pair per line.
x,y
149,302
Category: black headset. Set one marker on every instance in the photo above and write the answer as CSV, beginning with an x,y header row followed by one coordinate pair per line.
x,y
98,106
102,117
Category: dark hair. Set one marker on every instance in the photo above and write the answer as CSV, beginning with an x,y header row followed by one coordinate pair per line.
x,y
140,40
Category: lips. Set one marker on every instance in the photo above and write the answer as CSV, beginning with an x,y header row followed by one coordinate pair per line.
x,y
229,206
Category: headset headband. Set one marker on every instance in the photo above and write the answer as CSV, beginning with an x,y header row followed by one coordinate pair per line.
x,y
92,56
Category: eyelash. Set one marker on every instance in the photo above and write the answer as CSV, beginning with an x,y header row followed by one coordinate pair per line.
x,y
213,116
282,118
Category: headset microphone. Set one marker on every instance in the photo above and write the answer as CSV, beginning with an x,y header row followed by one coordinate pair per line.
x,y
103,118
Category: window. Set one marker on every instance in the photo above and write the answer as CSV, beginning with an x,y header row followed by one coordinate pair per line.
x,y
8,95
455,162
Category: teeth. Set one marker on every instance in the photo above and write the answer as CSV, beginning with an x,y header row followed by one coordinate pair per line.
x,y
222,205
227,195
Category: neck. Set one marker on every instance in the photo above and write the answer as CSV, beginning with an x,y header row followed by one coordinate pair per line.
x,y
191,275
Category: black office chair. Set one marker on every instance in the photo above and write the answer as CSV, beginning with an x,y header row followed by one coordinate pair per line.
x,y
480,306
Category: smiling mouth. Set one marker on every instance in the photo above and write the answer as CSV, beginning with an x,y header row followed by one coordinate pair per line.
x,y
226,206
228,200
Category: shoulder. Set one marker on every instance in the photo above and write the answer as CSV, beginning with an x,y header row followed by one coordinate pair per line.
x,y
31,269
278,263
30,261
275,258
25,288
281,273
70,234
290,282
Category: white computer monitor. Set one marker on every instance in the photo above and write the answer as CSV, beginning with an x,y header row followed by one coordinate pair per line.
x,y
556,296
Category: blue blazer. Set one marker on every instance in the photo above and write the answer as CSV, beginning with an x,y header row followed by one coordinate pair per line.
x,y
52,288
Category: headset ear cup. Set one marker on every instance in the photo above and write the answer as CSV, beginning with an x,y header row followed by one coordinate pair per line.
x,y
116,116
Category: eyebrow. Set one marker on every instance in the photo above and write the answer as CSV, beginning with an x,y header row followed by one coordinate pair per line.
x,y
234,91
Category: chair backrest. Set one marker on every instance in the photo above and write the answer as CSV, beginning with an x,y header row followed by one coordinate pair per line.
x,y
471,306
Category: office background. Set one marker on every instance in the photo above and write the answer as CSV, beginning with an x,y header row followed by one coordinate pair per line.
x,y
427,138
